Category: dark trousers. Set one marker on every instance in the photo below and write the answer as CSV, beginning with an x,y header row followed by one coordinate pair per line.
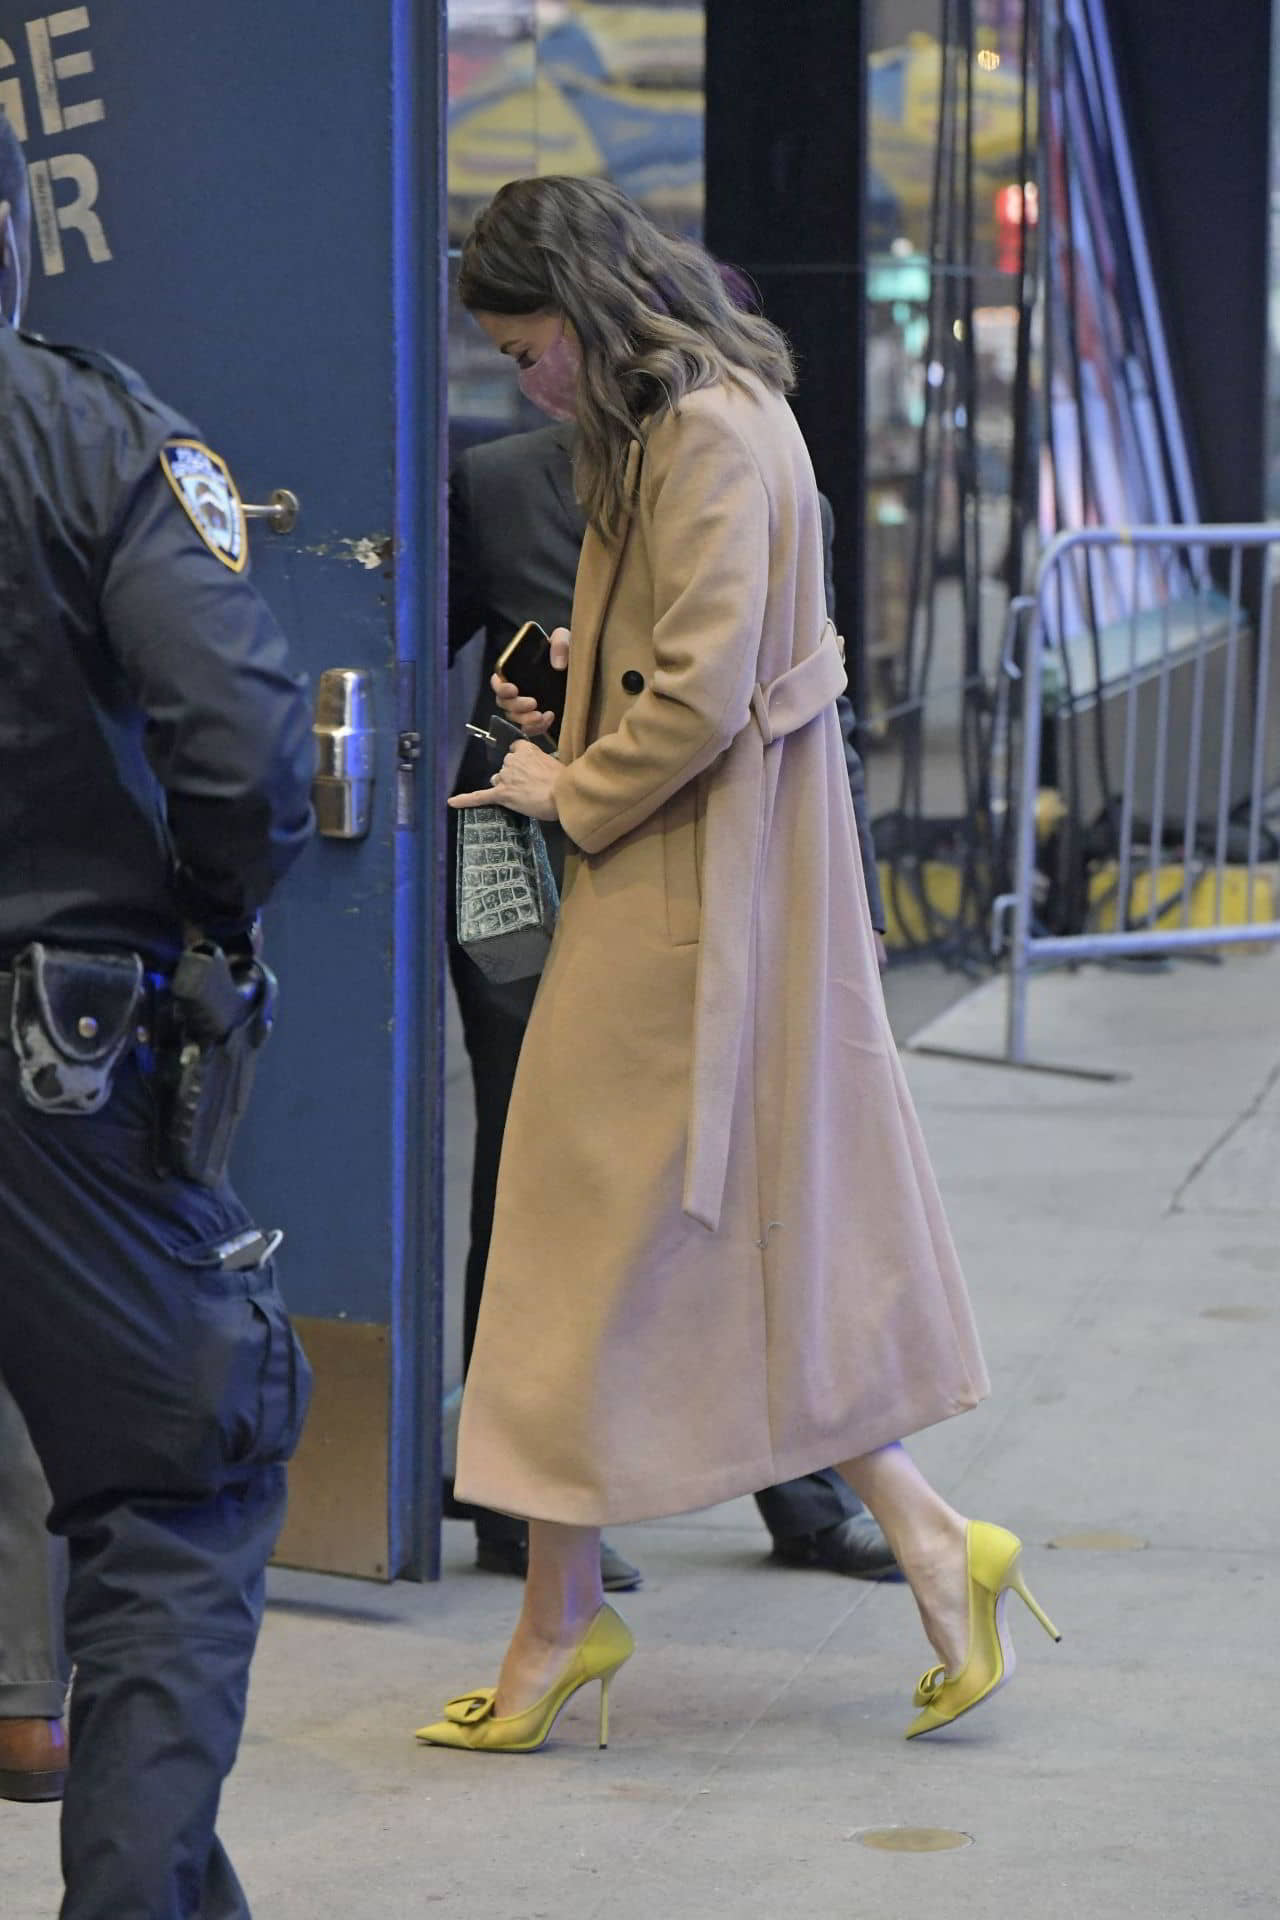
x,y
493,1021
163,1395
808,1505
33,1667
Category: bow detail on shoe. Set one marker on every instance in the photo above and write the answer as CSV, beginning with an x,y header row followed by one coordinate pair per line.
x,y
469,1709
931,1683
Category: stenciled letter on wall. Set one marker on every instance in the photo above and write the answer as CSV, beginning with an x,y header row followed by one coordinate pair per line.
x,y
45,102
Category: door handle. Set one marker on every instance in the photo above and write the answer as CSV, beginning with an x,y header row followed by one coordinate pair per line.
x,y
280,512
342,792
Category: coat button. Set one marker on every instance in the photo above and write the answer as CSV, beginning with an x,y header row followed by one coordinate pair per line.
x,y
632,682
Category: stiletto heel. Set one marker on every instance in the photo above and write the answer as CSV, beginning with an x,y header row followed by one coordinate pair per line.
x,y
470,1721
992,1560
1025,1594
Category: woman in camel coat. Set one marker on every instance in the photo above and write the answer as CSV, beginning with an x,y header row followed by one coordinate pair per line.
x,y
719,1259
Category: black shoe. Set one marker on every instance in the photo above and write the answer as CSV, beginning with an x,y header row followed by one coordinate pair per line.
x,y
512,1556
855,1547
503,1556
616,1574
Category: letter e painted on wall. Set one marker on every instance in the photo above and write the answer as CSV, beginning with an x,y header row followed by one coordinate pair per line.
x,y
50,70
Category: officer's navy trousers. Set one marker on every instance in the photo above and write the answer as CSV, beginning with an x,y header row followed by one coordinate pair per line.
x,y
163,1394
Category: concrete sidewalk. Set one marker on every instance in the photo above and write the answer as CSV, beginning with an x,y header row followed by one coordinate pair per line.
x,y
1122,1248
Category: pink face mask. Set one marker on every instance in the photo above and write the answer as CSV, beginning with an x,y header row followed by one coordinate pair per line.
x,y
552,381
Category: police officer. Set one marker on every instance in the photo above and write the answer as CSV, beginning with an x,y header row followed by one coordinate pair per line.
x,y
155,763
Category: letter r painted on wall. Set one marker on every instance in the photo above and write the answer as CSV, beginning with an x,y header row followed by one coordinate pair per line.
x,y
74,215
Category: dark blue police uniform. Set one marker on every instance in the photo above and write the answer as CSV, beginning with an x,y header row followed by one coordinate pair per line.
x,y
155,766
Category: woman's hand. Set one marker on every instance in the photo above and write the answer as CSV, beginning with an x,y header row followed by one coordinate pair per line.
x,y
526,783
518,707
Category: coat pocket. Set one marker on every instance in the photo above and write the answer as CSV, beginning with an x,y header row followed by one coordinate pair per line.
x,y
681,849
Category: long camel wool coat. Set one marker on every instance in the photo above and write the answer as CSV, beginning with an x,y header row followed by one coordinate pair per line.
x,y
719,1259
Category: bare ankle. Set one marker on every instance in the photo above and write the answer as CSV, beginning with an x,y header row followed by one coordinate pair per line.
x,y
543,1634
932,1544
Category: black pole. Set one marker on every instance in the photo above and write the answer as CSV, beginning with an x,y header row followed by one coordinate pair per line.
x,y
786,198
1196,83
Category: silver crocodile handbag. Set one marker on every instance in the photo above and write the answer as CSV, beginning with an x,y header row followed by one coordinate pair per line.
x,y
507,896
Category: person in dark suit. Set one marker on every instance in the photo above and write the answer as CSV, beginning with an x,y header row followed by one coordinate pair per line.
x,y
515,533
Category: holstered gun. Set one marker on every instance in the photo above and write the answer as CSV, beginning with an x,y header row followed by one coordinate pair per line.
x,y
219,1017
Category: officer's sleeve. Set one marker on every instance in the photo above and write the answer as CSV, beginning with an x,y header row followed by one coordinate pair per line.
x,y
229,732
467,610
849,734
828,520
861,811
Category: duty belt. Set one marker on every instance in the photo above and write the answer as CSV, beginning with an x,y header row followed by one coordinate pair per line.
x,y
155,992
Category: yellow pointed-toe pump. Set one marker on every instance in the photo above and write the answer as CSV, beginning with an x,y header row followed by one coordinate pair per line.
x,y
993,1556
470,1721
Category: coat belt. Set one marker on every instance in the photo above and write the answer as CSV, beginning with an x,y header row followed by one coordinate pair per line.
x,y
732,862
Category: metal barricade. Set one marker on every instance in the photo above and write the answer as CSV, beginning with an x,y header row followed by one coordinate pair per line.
x,y
1129,634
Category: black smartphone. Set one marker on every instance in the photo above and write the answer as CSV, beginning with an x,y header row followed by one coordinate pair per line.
x,y
526,662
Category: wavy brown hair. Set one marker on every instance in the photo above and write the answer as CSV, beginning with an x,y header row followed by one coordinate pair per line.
x,y
653,317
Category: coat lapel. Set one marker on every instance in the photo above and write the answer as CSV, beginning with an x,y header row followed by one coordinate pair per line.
x,y
593,590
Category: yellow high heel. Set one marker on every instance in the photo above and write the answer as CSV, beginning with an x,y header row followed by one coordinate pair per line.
x,y
470,1721
993,1557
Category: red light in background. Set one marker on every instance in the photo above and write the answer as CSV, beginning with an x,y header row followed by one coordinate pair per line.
x,y
1011,202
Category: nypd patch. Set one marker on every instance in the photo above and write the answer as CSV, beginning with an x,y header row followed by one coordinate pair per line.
x,y
207,495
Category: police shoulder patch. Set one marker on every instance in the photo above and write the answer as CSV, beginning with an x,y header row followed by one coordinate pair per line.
x,y
208,496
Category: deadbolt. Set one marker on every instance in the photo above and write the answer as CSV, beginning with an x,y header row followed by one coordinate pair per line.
x,y
343,789
280,513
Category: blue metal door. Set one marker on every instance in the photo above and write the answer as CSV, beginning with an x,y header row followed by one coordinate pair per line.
x,y
245,202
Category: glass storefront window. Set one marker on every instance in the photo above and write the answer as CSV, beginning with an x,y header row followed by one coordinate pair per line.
x,y
949,184
602,87
913,83
577,86
957,249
